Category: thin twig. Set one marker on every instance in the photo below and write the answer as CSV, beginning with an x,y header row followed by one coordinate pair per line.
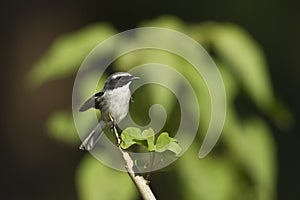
x,y
140,182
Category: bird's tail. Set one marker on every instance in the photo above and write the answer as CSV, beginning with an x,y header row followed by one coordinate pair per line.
x,y
90,141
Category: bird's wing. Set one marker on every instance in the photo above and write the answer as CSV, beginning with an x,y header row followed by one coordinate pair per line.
x,y
92,102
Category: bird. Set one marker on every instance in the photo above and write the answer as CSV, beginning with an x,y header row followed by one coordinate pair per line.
x,y
113,103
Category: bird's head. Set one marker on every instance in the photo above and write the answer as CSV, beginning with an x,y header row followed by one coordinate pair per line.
x,y
119,79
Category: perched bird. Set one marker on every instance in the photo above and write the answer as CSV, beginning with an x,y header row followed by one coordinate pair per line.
x,y
112,101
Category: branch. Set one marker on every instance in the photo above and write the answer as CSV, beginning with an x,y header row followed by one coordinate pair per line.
x,y
141,184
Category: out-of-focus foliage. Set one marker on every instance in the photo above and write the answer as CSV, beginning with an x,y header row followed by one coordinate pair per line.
x,y
243,166
61,126
56,63
96,181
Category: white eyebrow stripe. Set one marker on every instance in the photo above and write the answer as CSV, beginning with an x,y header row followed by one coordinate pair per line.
x,y
120,74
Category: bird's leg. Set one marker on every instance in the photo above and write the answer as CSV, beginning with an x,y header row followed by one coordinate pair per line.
x,y
114,127
112,120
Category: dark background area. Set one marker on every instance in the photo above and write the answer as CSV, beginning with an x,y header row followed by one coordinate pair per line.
x,y
36,167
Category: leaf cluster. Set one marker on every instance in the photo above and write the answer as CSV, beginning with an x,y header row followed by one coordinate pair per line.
x,y
146,138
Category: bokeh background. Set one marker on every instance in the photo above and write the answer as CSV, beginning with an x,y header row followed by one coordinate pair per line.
x,y
35,166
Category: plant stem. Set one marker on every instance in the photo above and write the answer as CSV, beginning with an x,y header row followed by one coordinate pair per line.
x,y
140,182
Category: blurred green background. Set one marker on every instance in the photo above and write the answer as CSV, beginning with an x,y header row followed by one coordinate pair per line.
x,y
261,163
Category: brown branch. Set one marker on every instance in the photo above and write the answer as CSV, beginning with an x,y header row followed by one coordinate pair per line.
x,y
140,182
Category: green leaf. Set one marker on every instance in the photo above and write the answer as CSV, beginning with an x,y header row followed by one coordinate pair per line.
x,y
164,143
175,148
127,141
133,132
131,136
95,181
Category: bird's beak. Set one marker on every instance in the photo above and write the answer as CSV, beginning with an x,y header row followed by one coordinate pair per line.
x,y
135,78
